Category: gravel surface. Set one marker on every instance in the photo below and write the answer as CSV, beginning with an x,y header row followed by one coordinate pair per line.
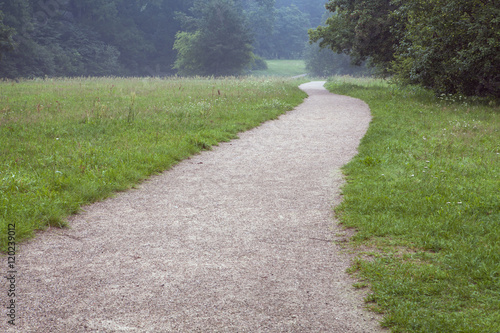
x,y
237,239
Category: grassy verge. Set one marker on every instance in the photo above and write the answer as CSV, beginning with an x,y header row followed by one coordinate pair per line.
x,y
66,143
424,195
282,68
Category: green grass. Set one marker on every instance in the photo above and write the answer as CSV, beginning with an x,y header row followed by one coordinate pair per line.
x,y
282,68
424,196
65,143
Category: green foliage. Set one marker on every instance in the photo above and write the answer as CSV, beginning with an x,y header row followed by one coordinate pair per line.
x,y
6,42
258,63
136,37
453,48
280,27
448,46
88,37
188,53
261,19
220,44
66,143
360,28
290,33
325,62
423,196
314,9
48,42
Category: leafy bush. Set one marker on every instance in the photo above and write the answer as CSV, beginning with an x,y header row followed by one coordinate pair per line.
x,y
258,63
453,48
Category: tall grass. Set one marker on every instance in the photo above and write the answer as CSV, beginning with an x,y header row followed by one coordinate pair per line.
x,y
65,143
424,195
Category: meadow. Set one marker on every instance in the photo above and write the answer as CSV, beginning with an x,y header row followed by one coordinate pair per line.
x,y
65,143
424,196
282,68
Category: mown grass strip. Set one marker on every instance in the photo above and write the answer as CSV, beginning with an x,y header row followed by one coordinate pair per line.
x,y
424,195
65,143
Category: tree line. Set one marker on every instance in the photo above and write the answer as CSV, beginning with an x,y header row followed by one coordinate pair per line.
x,y
150,37
450,46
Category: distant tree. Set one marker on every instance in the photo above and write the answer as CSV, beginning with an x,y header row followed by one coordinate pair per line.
x,y
325,62
218,44
360,28
290,32
261,16
116,24
280,26
6,41
314,9
90,37
156,19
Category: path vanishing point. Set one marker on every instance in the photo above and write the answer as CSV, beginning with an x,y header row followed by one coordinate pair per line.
x,y
236,239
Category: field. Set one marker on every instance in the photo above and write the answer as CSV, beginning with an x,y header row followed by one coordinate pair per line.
x,y
424,196
65,143
423,192
283,68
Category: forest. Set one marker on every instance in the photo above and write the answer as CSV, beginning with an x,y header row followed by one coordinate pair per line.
x,y
449,46
144,37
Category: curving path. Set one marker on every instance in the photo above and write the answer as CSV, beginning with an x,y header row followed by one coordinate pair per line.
x,y
237,239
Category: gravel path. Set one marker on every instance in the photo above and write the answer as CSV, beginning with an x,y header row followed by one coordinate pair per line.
x,y
237,239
